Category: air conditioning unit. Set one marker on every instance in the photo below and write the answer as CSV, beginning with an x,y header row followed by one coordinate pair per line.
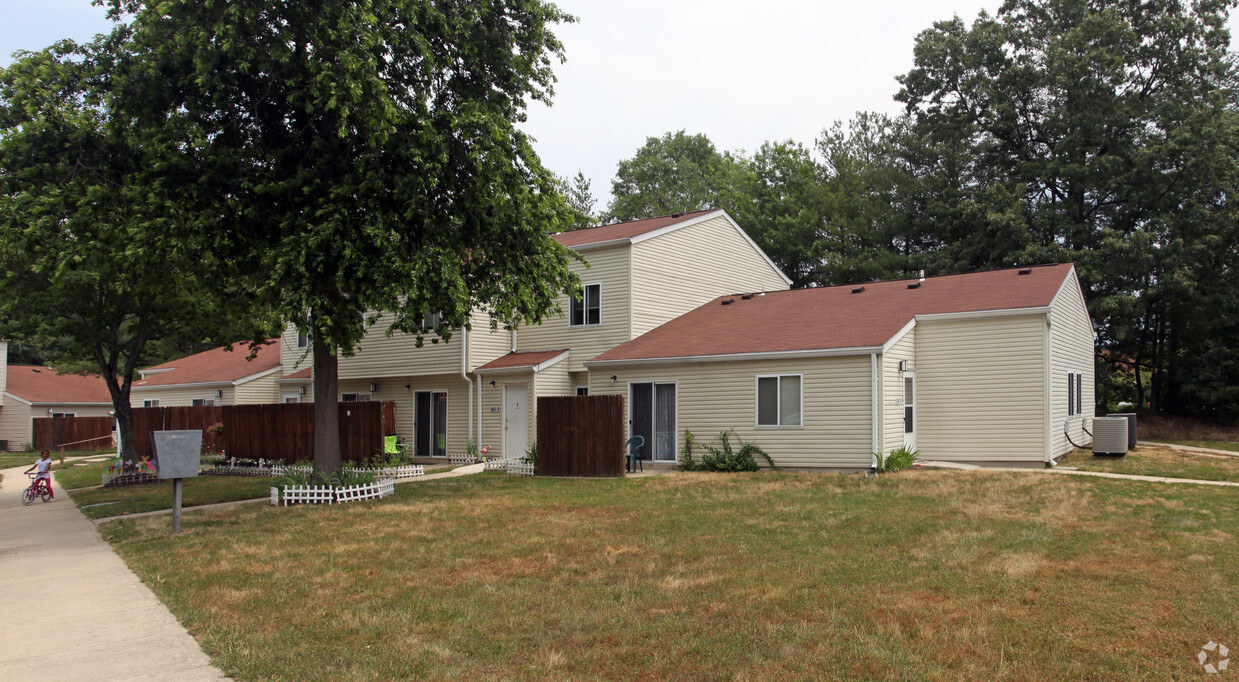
x,y
1110,436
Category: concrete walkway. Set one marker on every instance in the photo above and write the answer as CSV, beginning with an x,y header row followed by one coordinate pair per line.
x,y
72,610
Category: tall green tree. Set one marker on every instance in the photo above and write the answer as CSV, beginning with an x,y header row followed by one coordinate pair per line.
x,y
1095,132
97,259
580,200
675,173
358,158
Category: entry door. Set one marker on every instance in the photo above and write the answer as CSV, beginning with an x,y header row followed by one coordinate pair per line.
x,y
430,424
909,410
653,417
515,419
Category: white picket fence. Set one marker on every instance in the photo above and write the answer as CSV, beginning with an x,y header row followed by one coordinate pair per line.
x,y
518,467
458,460
403,471
326,494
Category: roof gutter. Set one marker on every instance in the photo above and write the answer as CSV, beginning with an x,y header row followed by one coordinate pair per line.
x,y
735,357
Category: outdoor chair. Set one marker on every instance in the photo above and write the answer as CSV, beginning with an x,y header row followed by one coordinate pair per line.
x,y
633,456
389,445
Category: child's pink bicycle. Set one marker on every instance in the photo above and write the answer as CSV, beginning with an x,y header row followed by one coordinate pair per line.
x,y
37,489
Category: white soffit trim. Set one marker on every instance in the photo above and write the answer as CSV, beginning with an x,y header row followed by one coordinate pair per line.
x,y
890,343
975,314
736,357
201,384
298,380
711,216
57,403
17,398
257,375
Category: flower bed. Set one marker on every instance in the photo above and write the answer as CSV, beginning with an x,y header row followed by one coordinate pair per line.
x,y
330,494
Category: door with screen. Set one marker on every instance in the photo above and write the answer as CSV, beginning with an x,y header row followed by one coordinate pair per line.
x,y
430,424
652,416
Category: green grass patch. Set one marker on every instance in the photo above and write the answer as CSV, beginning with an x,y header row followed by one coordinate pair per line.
x,y
923,575
9,460
145,497
1156,460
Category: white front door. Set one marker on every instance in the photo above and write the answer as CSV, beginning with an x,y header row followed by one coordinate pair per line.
x,y
515,419
909,410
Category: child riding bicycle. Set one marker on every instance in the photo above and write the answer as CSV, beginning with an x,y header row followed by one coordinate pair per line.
x,y
44,467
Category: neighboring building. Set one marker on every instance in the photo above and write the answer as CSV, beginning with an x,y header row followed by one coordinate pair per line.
x,y
28,392
985,367
482,386
214,377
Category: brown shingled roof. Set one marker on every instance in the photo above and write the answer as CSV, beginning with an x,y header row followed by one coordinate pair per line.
x,y
834,317
44,385
214,366
628,230
523,359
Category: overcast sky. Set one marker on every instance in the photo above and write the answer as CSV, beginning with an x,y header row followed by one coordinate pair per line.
x,y
740,72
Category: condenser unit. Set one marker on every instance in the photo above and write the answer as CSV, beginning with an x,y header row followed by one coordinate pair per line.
x,y
1110,436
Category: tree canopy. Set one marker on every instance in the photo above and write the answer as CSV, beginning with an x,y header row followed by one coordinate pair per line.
x,y
358,158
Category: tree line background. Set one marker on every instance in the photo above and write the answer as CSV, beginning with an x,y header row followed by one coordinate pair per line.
x,y
1094,132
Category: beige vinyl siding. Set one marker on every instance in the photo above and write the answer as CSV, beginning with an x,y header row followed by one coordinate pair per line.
x,y
380,356
4,368
716,396
257,391
981,389
891,390
393,389
179,396
1071,350
292,358
15,425
486,345
676,272
610,267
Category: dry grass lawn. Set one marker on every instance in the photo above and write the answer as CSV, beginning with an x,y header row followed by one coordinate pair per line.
x,y
1159,460
916,575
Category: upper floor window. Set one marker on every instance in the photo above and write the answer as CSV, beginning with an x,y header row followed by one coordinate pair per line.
x,y
779,400
587,310
430,321
303,339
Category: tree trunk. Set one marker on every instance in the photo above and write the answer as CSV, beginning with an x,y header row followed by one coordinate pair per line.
x,y
327,459
128,447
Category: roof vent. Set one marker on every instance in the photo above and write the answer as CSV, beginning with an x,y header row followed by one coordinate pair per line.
x,y
1025,271
729,301
35,371
747,297
676,215
858,290
914,285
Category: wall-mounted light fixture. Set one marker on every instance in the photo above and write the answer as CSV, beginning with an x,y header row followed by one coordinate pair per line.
x,y
492,382
613,378
301,390
408,386
374,387
903,365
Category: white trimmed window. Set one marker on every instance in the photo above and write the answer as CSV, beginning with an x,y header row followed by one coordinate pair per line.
x,y
153,402
63,415
303,340
203,402
582,390
587,310
779,400
354,397
430,321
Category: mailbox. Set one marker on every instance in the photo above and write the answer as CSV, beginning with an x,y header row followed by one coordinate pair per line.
x,y
178,453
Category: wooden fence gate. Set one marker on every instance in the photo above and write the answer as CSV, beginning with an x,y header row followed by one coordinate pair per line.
x,y
581,436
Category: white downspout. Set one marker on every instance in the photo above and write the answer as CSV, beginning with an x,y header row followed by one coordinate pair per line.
x,y
464,374
873,373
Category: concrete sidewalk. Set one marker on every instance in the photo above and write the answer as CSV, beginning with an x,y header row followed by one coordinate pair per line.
x,y
72,610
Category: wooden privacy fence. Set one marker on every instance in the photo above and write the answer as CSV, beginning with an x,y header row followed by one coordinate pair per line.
x,y
270,431
581,435
52,432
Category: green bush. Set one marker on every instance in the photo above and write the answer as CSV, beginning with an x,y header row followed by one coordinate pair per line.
x,y
724,457
898,459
